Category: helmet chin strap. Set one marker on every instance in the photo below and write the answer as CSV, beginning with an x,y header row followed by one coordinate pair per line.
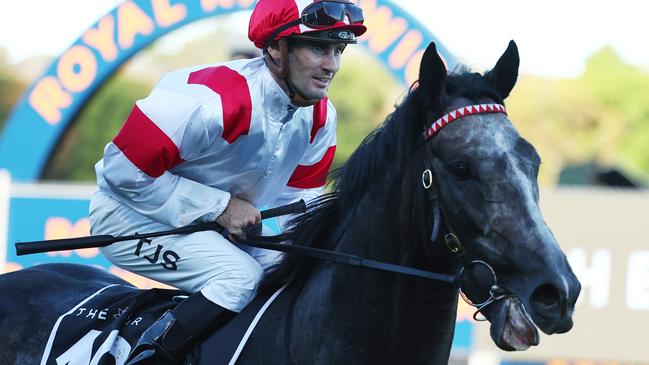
x,y
281,71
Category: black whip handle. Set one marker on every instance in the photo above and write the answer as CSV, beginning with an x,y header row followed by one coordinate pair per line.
x,y
26,248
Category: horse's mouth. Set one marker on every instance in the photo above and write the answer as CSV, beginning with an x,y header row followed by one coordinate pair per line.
x,y
512,329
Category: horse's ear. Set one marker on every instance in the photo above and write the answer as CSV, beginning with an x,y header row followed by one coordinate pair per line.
x,y
503,76
432,75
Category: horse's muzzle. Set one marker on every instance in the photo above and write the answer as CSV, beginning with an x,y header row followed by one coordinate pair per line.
x,y
552,310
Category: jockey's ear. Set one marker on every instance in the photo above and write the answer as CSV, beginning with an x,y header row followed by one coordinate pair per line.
x,y
432,76
276,56
275,51
503,76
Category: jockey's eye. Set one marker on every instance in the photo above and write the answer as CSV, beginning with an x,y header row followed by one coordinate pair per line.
x,y
460,169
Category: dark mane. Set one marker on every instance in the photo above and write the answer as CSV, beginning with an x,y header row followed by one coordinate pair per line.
x,y
390,155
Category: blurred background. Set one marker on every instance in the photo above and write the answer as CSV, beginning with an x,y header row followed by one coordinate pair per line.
x,y
71,70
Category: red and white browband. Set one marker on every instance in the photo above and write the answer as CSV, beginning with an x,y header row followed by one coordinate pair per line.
x,y
459,113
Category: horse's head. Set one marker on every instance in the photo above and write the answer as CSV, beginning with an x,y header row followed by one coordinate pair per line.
x,y
485,175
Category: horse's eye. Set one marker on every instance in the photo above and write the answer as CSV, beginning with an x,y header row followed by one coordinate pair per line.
x,y
460,170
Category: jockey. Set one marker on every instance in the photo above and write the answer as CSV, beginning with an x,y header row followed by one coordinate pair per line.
x,y
215,143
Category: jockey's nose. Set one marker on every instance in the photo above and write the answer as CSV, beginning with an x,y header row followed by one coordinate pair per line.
x,y
331,61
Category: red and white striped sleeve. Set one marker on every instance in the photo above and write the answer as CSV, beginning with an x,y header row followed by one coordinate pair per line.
x,y
310,176
162,131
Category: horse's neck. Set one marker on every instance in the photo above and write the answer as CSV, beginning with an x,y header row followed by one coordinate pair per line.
x,y
405,317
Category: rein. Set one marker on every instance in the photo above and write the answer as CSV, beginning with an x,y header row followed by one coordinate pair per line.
x,y
273,243
278,243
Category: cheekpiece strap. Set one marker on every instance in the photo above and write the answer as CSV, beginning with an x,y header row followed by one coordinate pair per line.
x,y
459,113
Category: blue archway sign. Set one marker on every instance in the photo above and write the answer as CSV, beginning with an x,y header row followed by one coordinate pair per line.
x,y
50,104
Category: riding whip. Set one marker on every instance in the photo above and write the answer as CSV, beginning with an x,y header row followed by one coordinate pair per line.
x,y
26,248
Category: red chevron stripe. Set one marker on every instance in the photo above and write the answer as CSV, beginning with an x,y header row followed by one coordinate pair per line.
x,y
313,176
235,98
146,145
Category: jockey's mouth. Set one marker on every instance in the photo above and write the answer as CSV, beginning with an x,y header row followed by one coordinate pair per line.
x,y
322,80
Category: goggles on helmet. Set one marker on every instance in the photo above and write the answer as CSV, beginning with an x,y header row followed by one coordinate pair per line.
x,y
323,14
326,13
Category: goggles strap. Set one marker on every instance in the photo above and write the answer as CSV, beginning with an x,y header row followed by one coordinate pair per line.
x,y
277,31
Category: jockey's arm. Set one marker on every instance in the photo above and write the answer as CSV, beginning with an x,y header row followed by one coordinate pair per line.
x,y
162,131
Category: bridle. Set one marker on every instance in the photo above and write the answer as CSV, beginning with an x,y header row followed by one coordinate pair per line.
x,y
456,249
451,239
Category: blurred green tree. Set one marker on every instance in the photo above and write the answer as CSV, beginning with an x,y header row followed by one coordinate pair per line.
x,y
602,116
11,88
363,93
97,123
625,89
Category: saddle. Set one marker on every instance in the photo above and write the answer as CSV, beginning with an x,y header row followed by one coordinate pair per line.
x,y
104,327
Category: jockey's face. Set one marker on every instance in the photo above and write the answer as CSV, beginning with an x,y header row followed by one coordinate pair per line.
x,y
312,66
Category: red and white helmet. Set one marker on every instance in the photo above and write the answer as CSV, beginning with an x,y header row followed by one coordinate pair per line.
x,y
322,20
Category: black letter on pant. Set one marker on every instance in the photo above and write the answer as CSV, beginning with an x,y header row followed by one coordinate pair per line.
x,y
153,259
139,245
169,263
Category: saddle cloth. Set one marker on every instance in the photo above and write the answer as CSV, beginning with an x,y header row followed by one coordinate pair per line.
x,y
102,329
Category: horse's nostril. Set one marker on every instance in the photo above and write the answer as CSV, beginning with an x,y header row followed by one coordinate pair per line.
x,y
551,313
546,299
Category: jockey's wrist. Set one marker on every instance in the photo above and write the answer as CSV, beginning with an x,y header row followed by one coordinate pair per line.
x,y
217,211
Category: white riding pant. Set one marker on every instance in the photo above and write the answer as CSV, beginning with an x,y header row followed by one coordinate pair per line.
x,y
225,273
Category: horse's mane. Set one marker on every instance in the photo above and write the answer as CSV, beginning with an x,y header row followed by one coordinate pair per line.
x,y
389,155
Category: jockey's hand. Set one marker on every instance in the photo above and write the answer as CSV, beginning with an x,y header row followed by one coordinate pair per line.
x,y
239,215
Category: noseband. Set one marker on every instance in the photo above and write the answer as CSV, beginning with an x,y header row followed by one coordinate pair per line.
x,y
453,243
